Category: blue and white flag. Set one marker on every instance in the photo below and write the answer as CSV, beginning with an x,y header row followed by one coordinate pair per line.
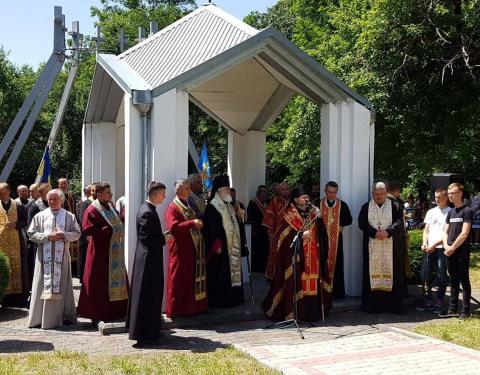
x,y
204,168
43,173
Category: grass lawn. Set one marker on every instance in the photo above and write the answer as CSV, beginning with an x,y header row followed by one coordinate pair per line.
x,y
475,269
222,361
466,333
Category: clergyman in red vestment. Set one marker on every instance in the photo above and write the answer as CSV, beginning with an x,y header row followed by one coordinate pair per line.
x,y
186,285
272,218
311,277
104,292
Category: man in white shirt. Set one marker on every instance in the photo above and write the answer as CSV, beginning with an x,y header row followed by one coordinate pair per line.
x,y
433,247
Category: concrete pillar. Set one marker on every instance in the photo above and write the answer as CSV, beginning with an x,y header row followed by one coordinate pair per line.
x,y
246,162
99,153
346,158
169,125
86,154
133,177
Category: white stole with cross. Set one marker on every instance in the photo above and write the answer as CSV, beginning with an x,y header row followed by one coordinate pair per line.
x,y
53,255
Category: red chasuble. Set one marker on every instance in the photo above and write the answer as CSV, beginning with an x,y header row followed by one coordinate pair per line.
x,y
94,300
311,255
186,285
278,305
272,219
331,219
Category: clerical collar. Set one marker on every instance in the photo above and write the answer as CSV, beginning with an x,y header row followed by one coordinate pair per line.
x,y
106,205
54,212
380,204
330,203
24,200
149,201
6,202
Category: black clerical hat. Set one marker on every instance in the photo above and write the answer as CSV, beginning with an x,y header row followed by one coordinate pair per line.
x,y
221,181
298,192
218,182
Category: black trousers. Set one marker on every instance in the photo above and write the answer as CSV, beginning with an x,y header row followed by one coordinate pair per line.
x,y
458,268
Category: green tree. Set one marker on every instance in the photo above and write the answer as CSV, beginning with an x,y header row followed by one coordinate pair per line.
x,y
416,61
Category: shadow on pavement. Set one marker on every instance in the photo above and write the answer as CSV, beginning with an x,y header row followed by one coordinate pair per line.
x,y
24,346
12,313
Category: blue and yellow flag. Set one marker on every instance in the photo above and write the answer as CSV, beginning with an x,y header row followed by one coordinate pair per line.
x,y
204,168
43,173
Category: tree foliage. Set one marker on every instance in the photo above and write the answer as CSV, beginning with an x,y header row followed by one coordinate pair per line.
x,y
417,61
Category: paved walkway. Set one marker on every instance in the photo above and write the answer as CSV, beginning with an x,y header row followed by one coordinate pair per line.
x,y
348,342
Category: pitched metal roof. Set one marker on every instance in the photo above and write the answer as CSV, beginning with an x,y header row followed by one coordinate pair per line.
x,y
240,76
192,40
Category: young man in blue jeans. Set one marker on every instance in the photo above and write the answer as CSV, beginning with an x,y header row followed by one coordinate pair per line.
x,y
433,247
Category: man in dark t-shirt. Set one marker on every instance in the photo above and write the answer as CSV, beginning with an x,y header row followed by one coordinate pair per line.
x,y
455,240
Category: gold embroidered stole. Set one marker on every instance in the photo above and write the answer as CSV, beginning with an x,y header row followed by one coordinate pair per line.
x,y
331,219
232,232
117,280
10,245
239,211
260,206
310,251
380,252
197,238
199,202
273,219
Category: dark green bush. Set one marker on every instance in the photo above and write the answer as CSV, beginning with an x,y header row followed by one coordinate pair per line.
x,y
4,274
415,239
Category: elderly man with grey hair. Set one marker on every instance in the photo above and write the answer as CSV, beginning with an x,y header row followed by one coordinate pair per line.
x,y
381,221
187,284
52,303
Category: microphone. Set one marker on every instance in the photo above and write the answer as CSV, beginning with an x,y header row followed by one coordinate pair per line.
x,y
313,207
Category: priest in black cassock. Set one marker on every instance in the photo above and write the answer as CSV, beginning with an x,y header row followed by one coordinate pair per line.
x,y
144,312
383,255
224,245
260,240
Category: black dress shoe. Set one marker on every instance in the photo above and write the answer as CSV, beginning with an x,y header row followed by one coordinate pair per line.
x,y
146,343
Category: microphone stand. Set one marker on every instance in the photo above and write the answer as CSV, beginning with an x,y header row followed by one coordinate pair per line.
x,y
295,245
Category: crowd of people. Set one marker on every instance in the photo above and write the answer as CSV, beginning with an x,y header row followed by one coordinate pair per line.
x,y
296,241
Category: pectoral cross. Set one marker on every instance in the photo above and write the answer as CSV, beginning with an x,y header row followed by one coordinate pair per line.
x,y
379,225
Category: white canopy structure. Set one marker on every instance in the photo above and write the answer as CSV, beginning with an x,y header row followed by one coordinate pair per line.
x,y
241,77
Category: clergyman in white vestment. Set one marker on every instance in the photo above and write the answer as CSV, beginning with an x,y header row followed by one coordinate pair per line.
x,y
52,302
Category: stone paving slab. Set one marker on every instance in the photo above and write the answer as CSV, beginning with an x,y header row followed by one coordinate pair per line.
x,y
387,351
348,342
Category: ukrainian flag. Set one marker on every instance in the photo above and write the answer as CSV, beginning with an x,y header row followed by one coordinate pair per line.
x,y
204,168
43,173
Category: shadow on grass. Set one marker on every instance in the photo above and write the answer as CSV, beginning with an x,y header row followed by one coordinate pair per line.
x,y
192,344
24,346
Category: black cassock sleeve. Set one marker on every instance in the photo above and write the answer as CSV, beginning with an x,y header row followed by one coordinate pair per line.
x,y
397,220
345,215
150,230
363,222
32,211
22,219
